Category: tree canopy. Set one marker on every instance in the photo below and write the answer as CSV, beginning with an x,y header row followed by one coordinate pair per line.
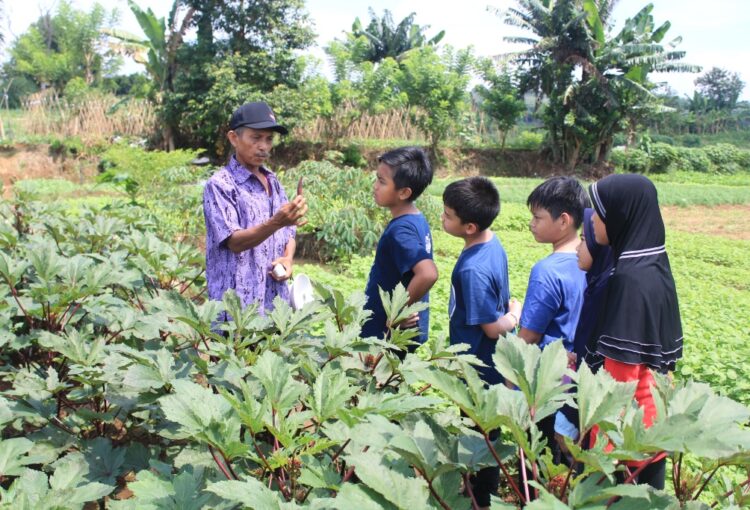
x,y
720,87
65,45
384,38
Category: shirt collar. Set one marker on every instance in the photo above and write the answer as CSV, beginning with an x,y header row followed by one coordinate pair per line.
x,y
240,173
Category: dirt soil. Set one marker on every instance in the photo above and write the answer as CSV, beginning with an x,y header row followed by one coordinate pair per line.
x,y
728,221
38,162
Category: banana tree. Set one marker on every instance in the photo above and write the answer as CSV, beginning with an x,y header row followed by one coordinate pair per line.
x,y
158,51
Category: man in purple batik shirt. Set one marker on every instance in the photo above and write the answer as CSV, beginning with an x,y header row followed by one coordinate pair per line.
x,y
250,223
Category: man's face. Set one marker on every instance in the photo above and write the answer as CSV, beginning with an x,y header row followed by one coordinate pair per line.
x,y
252,146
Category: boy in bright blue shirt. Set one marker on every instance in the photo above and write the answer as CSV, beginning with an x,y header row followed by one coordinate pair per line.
x,y
555,292
480,307
554,296
404,252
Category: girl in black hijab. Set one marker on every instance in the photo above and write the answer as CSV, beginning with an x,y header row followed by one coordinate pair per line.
x,y
639,328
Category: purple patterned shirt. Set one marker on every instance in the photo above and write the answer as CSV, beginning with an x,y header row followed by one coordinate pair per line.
x,y
234,199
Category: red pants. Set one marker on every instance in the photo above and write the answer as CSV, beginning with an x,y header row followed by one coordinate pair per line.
x,y
624,372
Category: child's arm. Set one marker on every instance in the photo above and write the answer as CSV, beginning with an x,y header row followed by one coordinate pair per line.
x,y
504,323
425,276
529,335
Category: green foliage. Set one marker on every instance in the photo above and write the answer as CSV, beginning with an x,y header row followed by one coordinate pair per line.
x,y
382,39
584,113
111,365
691,141
501,100
203,119
727,158
631,160
66,45
242,52
663,156
527,140
722,88
352,156
436,87
343,218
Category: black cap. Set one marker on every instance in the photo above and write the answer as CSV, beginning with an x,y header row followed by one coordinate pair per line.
x,y
256,115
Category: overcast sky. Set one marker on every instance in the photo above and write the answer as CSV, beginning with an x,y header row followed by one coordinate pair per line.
x,y
715,33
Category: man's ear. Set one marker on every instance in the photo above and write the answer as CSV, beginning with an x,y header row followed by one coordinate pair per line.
x,y
404,193
232,136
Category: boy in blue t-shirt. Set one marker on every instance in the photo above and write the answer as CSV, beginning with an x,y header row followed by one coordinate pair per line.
x,y
554,295
480,307
404,252
555,292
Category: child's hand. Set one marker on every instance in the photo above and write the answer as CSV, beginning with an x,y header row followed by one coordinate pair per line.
x,y
515,307
410,322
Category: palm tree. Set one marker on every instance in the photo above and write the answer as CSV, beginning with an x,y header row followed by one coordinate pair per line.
x,y
389,40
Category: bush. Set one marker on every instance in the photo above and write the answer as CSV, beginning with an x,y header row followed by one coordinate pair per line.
x,y
630,160
694,160
529,140
657,138
726,157
691,141
343,219
662,158
146,167
352,156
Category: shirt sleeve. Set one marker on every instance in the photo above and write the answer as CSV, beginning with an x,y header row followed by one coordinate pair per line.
x,y
220,212
407,248
541,304
480,298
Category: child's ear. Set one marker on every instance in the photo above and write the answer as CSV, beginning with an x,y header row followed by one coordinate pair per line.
x,y
404,193
471,228
566,220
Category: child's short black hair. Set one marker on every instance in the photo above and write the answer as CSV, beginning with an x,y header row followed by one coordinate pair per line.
x,y
558,195
411,169
475,200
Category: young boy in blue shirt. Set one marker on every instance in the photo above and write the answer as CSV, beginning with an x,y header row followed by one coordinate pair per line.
x,y
404,252
554,295
480,307
555,292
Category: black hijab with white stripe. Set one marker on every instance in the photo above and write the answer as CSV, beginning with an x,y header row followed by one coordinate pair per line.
x,y
640,320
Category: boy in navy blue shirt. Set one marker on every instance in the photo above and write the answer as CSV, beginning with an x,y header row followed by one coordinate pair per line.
x,y
404,252
480,307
